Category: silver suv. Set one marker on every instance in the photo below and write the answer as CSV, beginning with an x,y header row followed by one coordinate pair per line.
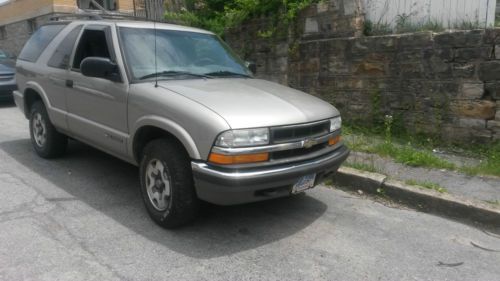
x,y
178,103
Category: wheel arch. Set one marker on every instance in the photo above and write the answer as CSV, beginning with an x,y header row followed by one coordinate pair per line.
x,y
32,93
152,127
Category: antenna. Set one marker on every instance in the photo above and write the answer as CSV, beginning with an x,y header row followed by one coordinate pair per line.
x,y
156,60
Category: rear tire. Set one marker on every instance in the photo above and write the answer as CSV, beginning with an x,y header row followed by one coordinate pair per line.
x,y
46,140
167,184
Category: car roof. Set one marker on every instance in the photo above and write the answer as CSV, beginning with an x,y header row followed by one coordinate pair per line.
x,y
145,24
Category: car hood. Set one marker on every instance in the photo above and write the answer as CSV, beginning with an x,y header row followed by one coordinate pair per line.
x,y
247,103
6,68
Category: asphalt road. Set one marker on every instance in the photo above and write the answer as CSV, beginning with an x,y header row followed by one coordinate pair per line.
x,y
81,218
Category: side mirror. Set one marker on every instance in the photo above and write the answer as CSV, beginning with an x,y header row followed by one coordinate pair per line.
x,y
100,68
252,66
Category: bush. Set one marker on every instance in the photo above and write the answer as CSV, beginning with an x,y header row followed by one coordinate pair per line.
x,y
220,15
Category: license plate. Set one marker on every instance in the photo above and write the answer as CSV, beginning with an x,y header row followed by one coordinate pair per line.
x,y
304,183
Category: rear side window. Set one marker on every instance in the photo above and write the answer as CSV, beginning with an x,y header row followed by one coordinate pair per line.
x,y
39,41
61,56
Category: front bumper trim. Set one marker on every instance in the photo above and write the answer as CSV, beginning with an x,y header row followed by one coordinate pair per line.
x,y
235,186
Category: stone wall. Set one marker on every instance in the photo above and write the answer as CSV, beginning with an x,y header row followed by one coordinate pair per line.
x,y
445,85
269,42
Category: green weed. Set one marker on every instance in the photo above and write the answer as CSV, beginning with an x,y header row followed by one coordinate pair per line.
x,y
428,185
412,157
362,166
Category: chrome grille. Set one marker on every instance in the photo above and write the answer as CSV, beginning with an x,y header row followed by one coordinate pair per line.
x,y
299,132
6,77
299,152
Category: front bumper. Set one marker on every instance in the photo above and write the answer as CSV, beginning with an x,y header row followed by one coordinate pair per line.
x,y
230,187
6,91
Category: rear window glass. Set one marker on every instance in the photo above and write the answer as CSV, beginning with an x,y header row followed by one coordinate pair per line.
x,y
61,56
39,41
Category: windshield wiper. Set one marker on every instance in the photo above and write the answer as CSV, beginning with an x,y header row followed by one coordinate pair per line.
x,y
171,73
226,74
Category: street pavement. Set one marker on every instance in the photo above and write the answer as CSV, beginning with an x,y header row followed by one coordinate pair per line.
x,y
81,218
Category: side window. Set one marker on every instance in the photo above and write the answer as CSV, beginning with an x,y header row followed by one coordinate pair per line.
x,y
62,54
39,41
92,43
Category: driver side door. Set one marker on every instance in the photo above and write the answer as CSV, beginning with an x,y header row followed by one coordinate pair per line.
x,y
97,107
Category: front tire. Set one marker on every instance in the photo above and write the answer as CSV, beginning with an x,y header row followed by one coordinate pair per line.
x,y
46,140
167,184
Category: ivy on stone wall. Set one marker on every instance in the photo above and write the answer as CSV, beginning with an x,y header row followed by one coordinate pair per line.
x,y
220,15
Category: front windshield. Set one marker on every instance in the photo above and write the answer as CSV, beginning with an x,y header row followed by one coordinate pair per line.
x,y
178,52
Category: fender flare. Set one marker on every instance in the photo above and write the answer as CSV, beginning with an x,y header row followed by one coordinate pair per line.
x,y
170,127
37,88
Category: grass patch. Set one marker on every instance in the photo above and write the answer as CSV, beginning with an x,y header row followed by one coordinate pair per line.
x,y
417,151
410,156
428,185
361,166
328,182
493,202
490,165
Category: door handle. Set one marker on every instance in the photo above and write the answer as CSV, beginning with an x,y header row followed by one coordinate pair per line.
x,y
69,83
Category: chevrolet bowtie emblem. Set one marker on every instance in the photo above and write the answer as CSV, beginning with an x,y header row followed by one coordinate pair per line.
x,y
309,143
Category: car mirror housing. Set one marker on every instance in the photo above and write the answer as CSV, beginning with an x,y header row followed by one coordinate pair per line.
x,y
100,68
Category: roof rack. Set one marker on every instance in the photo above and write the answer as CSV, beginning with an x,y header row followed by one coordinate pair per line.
x,y
89,16
110,16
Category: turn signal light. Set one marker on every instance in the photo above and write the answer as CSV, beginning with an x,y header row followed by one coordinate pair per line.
x,y
334,140
237,159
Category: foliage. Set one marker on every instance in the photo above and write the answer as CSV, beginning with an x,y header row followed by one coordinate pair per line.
x,y
374,29
404,24
220,15
388,120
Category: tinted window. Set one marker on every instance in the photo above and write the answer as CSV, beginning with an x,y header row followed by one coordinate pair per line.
x,y
93,43
39,41
61,56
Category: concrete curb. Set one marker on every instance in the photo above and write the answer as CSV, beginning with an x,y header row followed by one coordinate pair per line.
x,y
453,206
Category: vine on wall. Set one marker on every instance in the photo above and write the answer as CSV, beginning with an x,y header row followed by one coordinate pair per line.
x,y
221,15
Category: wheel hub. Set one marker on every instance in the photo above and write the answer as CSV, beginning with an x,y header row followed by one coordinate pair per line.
x,y
39,129
158,185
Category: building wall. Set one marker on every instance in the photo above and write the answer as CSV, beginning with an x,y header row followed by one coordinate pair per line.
x,y
19,10
126,6
14,35
19,18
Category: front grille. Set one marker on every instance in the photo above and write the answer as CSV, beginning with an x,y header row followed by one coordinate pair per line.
x,y
6,77
299,132
278,155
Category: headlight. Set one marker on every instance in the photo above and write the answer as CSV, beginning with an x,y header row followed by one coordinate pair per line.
x,y
335,124
240,138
